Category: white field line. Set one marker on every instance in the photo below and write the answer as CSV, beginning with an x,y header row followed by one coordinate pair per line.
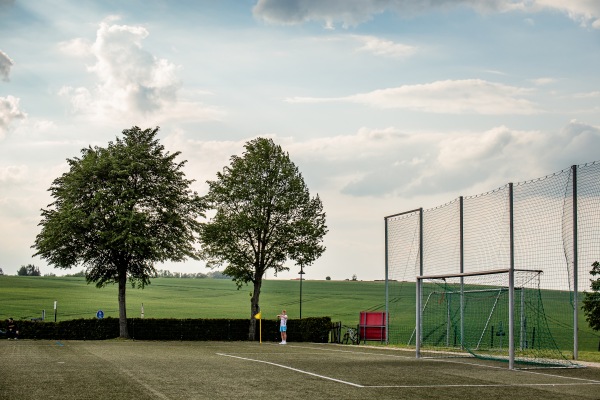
x,y
588,382
132,375
292,369
482,385
584,381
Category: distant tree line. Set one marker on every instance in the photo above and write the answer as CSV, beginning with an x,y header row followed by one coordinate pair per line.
x,y
164,273
32,270
29,270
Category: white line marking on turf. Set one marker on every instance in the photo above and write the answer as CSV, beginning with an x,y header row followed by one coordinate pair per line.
x,y
481,385
355,352
142,383
586,381
292,369
592,381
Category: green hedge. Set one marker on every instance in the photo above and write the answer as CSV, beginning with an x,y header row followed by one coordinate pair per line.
x,y
299,330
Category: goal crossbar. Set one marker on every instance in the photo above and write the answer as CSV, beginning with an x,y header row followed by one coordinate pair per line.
x,y
491,272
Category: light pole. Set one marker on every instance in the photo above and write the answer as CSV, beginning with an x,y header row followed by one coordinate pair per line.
x,y
301,273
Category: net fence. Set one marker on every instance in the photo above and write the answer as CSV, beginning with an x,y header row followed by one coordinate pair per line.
x,y
550,224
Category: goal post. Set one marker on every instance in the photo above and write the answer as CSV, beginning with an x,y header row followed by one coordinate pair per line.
x,y
471,314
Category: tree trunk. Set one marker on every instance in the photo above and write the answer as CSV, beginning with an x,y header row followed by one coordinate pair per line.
x,y
123,332
254,307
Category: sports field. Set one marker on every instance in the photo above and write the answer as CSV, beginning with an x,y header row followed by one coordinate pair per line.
x,y
119,369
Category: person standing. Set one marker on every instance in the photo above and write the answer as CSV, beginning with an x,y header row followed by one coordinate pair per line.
x,y
283,326
12,331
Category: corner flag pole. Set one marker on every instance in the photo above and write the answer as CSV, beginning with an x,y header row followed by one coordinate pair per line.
x,y
258,316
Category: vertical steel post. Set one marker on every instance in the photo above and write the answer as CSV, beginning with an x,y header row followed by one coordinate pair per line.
x,y
419,284
575,268
387,308
462,270
301,279
511,283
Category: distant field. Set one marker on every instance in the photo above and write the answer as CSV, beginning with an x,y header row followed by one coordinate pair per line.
x,y
124,369
26,297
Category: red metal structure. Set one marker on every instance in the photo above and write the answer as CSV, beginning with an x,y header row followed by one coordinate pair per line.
x,y
372,326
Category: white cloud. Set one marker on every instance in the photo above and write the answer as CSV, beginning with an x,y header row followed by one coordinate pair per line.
x,y
354,12
383,47
5,64
12,173
382,163
131,80
77,47
577,143
469,96
543,81
587,95
586,12
386,162
9,112
430,164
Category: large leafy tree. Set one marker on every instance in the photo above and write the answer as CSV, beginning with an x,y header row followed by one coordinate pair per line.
x,y
591,300
118,211
264,216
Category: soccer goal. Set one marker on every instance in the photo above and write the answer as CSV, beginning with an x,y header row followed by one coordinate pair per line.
x,y
472,314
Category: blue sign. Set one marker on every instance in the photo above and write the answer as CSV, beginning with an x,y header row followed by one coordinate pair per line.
x,y
100,314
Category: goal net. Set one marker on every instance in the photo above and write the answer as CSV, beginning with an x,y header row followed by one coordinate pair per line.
x,y
470,315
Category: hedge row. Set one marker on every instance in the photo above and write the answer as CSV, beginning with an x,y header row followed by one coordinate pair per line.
x,y
299,330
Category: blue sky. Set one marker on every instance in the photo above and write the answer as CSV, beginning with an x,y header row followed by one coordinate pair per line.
x,y
384,105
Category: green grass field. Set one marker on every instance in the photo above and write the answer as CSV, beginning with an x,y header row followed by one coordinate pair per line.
x,y
122,369
26,297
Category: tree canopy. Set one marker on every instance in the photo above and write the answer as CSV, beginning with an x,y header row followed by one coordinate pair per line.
x,y
591,300
264,217
28,270
118,211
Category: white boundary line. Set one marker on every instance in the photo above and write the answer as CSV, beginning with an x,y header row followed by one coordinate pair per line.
x,y
581,381
292,369
481,385
588,382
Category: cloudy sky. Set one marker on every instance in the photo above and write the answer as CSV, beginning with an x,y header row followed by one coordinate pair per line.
x,y
384,105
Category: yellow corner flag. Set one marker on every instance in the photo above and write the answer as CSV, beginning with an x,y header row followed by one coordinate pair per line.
x,y
258,316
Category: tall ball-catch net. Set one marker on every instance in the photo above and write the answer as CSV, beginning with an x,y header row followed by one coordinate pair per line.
x,y
545,230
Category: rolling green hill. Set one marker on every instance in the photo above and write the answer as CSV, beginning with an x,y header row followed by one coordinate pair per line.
x,y
24,297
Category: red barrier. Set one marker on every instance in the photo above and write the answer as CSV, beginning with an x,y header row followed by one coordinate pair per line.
x,y
372,325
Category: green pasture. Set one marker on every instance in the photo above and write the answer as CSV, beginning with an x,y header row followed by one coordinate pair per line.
x,y
123,369
25,297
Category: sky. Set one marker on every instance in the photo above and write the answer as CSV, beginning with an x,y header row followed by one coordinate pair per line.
x,y
385,106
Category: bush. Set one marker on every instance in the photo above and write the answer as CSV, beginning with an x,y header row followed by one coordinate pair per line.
x,y
299,330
